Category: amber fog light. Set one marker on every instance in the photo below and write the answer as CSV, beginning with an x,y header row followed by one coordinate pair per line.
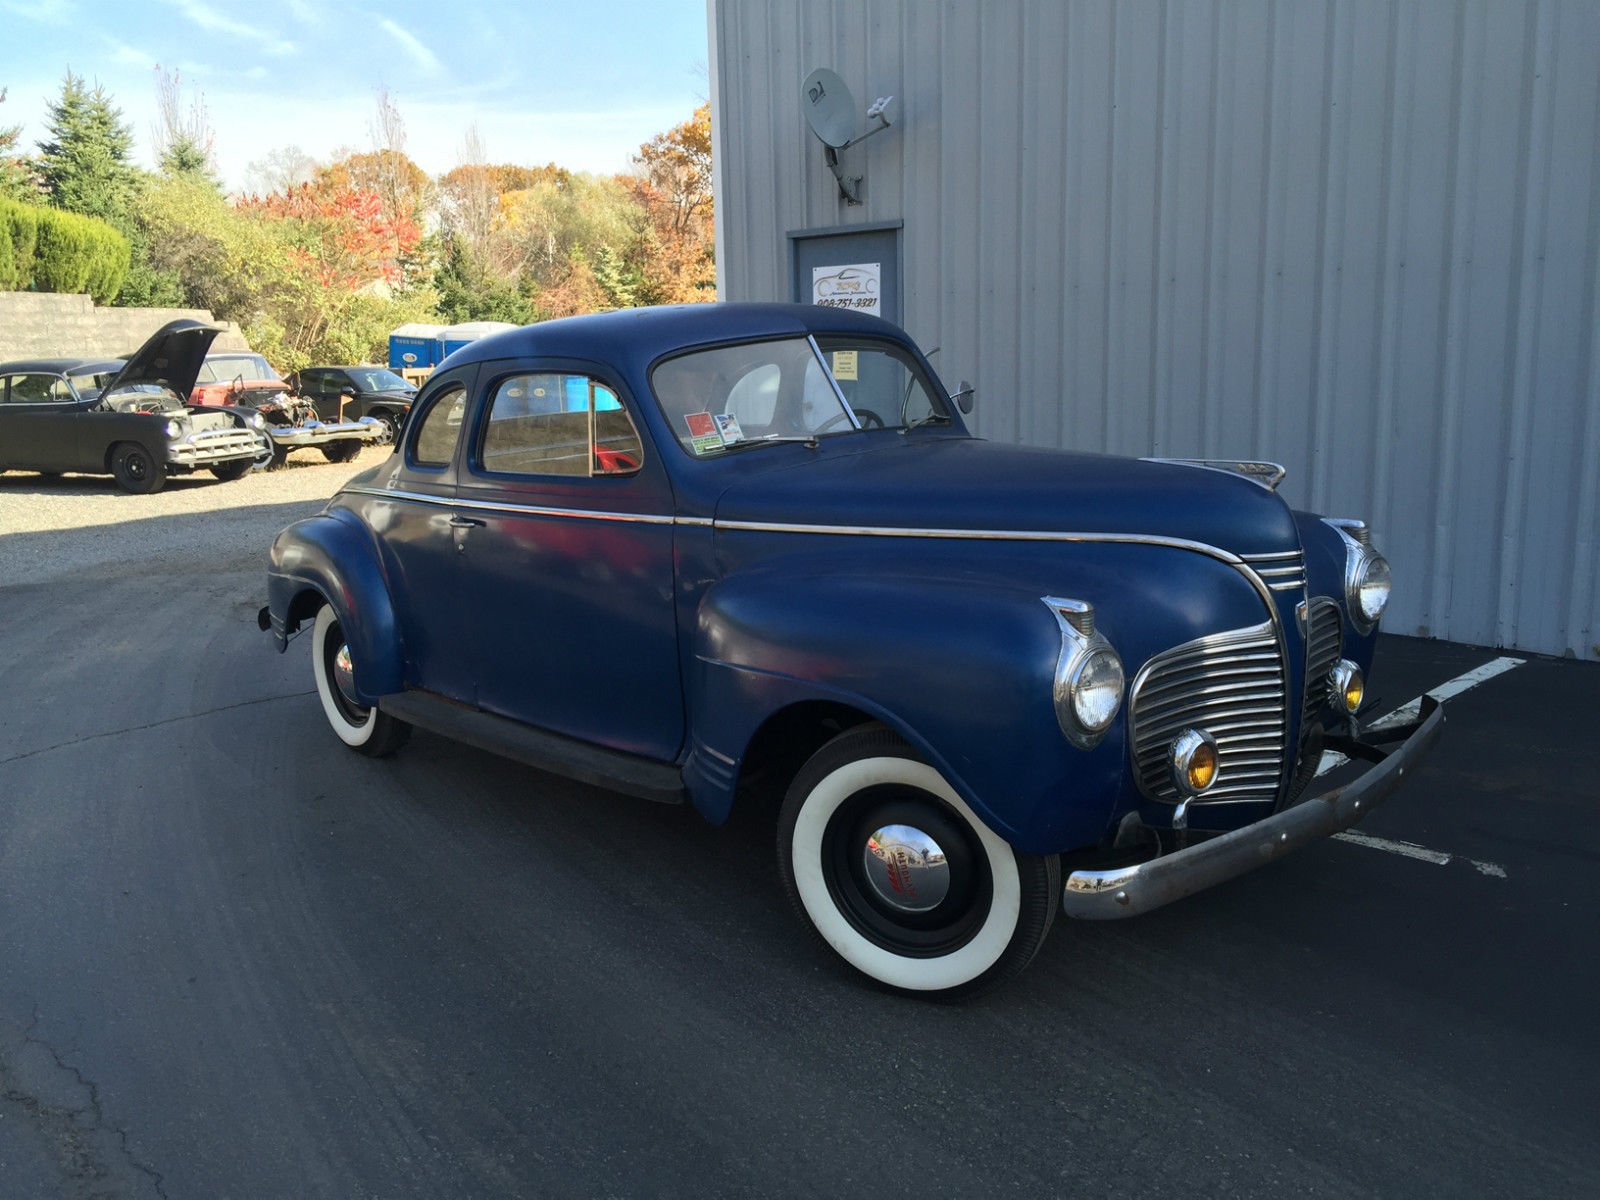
x,y
1346,686
1194,761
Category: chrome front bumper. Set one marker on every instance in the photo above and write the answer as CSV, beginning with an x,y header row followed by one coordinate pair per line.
x,y
1129,891
217,445
315,433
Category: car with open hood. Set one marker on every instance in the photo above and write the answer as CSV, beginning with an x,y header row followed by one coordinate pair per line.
x,y
293,422
129,419
751,555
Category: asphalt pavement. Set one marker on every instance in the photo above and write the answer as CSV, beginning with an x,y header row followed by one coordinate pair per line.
x,y
237,960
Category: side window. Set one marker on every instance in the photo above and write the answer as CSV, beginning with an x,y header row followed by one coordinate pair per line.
x,y
38,389
558,424
435,442
310,380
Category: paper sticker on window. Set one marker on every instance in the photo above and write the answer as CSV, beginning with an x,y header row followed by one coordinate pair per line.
x,y
728,427
844,364
703,435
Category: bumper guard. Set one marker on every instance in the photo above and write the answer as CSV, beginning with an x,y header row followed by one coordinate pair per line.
x,y
1129,891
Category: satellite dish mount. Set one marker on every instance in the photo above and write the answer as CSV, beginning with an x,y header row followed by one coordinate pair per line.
x,y
830,110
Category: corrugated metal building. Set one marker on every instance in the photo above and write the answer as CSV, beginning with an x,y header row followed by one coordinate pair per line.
x,y
1358,239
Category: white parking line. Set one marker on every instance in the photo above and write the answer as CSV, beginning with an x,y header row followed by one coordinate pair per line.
x,y
1409,711
1409,849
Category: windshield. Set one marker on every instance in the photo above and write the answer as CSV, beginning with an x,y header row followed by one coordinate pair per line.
x,y
376,379
90,384
225,368
732,397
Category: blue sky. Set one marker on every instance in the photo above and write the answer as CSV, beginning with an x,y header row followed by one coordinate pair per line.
x,y
581,83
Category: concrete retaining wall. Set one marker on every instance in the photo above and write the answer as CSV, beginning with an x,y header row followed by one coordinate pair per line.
x,y
45,325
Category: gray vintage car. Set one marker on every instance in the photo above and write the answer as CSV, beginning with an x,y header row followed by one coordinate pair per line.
x,y
125,418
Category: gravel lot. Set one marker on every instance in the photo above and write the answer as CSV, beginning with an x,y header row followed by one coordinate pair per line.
x,y
194,518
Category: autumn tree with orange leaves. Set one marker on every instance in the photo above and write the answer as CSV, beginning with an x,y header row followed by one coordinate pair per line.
x,y
674,187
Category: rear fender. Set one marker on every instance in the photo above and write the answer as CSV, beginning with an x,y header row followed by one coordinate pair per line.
x,y
328,559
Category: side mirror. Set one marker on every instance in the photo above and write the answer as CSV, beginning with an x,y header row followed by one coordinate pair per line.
x,y
963,398
347,391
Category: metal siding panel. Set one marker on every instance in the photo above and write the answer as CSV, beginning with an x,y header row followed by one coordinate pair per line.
x,y
1359,238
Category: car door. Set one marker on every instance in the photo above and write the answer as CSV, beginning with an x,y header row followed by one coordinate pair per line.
x,y
420,536
40,426
569,559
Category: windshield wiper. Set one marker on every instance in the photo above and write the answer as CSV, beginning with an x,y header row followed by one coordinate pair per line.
x,y
929,419
772,439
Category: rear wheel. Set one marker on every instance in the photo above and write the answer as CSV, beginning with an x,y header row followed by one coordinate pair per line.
x,y
361,727
136,469
342,451
898,876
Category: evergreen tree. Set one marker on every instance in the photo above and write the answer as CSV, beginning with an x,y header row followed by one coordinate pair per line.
x,y
17,180
85,162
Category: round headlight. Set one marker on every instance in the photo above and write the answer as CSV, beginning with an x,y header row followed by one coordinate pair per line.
x,y
1370,588
256,421
174,428
1097,689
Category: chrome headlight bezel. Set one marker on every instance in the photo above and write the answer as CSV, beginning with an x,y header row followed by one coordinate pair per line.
x,y
1085,652
1363,566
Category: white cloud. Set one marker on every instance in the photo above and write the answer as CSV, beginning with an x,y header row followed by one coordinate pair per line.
x,y
46,12
420,54
208,18
132,56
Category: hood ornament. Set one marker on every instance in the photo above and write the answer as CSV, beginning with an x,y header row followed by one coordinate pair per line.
x,y
1268,474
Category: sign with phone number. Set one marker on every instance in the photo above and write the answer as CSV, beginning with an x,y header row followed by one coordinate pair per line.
x,y
855,285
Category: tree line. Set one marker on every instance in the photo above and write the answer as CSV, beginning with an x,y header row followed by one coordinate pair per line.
x,y
321,259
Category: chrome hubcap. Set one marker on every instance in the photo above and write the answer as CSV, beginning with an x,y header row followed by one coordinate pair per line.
x,y
344,676
906,868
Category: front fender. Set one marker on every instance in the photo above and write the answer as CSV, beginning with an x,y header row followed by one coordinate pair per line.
x,y
961,668
328,558
959,662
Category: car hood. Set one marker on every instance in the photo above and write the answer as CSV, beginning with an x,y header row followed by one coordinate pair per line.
x,y
171,358
969,484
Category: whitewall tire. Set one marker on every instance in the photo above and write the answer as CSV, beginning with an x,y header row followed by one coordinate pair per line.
x,y
363,728
897,875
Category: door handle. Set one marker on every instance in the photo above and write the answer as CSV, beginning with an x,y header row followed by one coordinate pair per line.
x,y
465,523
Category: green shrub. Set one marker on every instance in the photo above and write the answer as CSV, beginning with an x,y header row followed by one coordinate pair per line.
x,y
53,251
19,225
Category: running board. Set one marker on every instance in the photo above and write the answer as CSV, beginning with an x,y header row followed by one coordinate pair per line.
x,y
617,770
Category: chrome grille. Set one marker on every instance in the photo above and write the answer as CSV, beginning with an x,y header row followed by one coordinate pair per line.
x,y
1232,686
1324,643
1283,572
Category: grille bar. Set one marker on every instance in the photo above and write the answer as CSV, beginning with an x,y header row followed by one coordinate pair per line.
x,y
1230,684
1324,644
1282,572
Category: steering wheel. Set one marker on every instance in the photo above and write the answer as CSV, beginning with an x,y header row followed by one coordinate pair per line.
x,y
868,419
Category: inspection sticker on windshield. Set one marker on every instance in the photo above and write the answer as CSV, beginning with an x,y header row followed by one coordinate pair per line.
x,y
728,427
703,435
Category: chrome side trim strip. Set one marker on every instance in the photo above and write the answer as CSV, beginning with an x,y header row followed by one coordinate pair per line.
x,y
580,514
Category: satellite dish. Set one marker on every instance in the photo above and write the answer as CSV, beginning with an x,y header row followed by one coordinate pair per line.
x,y
829,107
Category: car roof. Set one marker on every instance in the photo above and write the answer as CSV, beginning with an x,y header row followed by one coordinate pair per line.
x,y
638,336
63,366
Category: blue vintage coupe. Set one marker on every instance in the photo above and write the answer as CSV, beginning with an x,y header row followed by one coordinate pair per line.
x,y
749,554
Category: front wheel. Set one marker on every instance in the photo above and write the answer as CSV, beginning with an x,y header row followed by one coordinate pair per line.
x,y
136,469
229,471
361,727
895,873
391,428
